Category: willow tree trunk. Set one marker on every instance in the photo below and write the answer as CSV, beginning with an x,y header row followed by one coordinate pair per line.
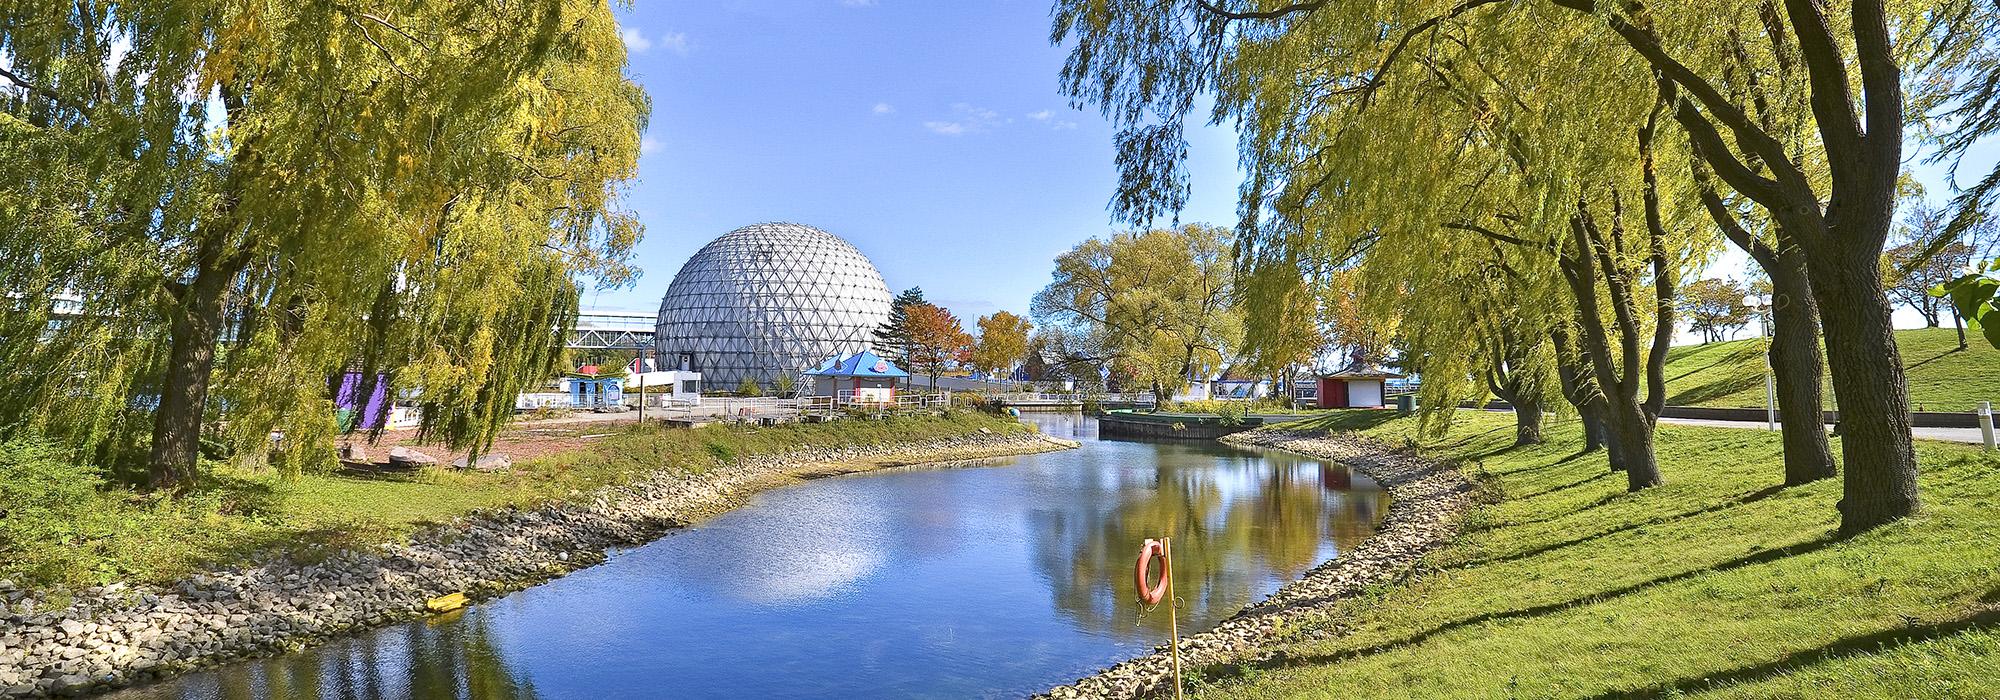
x,y
1527,422
1593,426
1795,363
184,386
1631,446
1880,482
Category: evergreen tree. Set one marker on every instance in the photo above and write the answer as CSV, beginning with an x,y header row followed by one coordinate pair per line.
x,y
892,338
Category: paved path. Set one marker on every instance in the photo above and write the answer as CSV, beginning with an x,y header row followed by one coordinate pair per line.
x,y
1971,435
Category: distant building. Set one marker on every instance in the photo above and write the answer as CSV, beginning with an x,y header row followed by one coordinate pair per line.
x,y
766,301
864,378
1357,386
662,388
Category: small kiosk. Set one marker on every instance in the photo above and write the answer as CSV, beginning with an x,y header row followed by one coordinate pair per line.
x,y
588,390
862,378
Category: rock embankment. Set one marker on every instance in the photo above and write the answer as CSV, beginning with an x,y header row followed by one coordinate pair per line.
x,y
1426,499
117,635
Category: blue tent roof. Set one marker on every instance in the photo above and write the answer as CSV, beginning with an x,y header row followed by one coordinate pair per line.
x,y
863,364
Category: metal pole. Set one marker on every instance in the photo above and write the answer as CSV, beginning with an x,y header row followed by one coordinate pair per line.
x,y
1770,375
1986,423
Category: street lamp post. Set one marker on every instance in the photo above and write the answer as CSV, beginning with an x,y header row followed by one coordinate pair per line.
x,y
1762,304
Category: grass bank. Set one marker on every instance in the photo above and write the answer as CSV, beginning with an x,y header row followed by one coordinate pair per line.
x,y
1942,377
1716,584
61,526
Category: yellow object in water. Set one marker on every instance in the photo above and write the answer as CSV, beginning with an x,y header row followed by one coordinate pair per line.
x,y
445,604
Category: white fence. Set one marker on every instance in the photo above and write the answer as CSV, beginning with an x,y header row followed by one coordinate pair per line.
x,y
1032,397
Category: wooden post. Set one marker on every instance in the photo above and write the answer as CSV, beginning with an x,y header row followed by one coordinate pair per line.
x,y
1173,619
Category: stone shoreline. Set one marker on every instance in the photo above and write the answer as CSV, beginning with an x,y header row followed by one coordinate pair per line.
x,y
1427,498
119,635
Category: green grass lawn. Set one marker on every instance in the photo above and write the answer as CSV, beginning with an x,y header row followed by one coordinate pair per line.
x,y
1942,377
59,526
1715,584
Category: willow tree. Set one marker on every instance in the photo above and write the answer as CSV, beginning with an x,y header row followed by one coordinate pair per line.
x,y
1158,305
261,195
1146,61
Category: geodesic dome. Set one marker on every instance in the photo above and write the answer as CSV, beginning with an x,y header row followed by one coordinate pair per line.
x,y
767,300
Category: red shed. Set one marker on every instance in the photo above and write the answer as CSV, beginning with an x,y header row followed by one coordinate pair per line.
x,y
1354,387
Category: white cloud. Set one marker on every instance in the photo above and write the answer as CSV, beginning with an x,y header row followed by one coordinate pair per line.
x,y
634,41
966,119
676,42
648,145
1048,117
858,3
945,128
882,108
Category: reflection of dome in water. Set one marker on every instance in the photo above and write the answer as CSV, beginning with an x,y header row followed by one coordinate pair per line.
x,y
768,300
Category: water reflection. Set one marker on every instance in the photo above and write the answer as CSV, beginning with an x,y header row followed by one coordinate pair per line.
x,y
966,582
1239,522
446,658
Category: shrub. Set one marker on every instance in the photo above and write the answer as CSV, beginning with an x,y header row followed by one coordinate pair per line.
x,y
1231,412
749,387
49,503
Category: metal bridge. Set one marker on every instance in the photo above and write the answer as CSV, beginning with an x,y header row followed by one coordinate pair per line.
x,y
604,329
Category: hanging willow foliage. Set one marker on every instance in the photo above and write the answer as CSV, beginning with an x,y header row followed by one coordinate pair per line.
x,y
215,209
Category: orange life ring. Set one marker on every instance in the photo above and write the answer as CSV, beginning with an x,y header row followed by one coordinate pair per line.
x,y
1154,594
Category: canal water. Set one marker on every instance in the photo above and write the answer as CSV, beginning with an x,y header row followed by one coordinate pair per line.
x,y
991,581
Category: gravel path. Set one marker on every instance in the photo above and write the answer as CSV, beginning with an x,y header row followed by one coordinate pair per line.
x,y
119,635
1426,500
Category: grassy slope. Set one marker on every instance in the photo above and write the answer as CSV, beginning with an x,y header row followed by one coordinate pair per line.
x,y
1942,378
1715,584
240,516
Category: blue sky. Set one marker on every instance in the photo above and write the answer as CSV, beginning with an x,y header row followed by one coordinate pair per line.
x,y
928,133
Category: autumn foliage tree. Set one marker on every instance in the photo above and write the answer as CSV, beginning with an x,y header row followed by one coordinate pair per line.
x,y
936,340
1003,342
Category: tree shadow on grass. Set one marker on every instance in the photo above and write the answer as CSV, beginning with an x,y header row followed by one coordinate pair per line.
x,y
1734,357
1857,645
239,496
1726,386
1466,440
1565,487
1743,499
1341,421
1764,557
1939,356
1541,467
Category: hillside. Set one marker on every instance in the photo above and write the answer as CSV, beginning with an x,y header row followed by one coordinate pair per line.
x,y
1715,585
1942,378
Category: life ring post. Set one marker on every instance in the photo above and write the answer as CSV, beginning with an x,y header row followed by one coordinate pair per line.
x,y
1150,594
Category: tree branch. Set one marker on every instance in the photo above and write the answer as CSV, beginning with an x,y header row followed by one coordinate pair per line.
x,y
1501,237
1279,13
1826,73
